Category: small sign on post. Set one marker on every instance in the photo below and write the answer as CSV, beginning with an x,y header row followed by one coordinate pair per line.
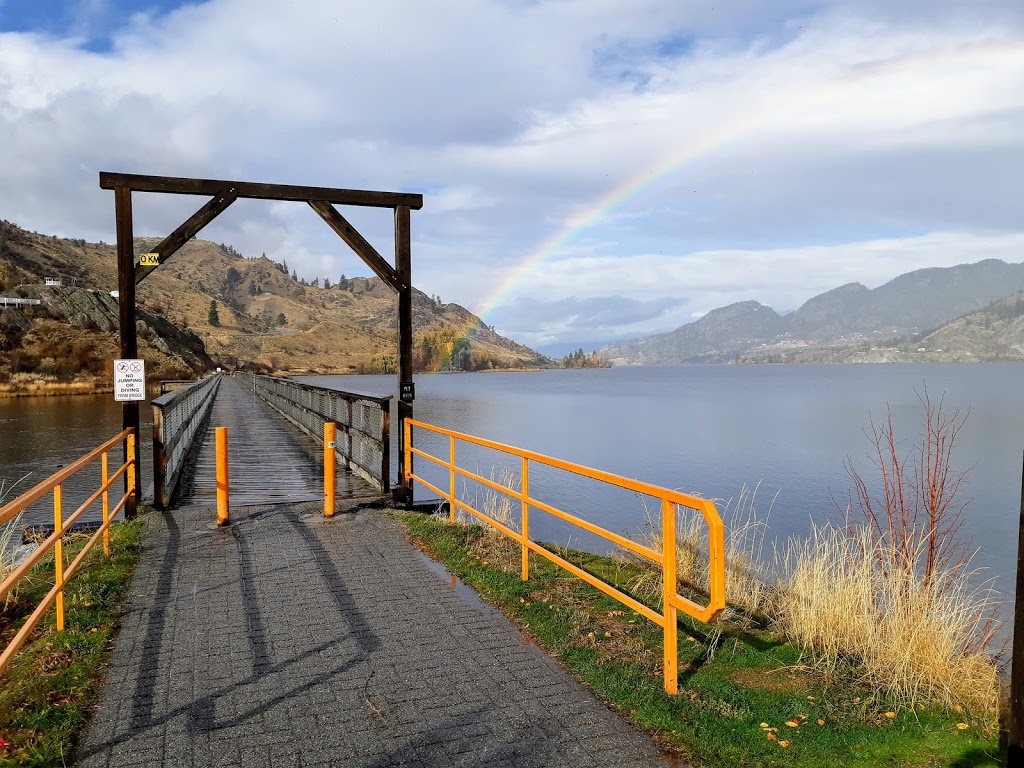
x,y
149,260
129,380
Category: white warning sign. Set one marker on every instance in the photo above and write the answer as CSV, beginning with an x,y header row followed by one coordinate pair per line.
x,y
129,380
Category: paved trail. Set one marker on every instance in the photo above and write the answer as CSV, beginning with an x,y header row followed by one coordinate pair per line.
x,y
290,641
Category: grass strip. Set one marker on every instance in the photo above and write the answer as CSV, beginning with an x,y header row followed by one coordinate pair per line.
x,y
49,689
745,697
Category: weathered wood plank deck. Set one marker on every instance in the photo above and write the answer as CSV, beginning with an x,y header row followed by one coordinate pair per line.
x,y
270,460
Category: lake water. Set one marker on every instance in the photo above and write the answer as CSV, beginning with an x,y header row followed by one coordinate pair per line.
x,y
708,430
713,429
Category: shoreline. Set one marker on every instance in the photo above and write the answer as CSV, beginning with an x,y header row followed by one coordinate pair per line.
x,y
54,388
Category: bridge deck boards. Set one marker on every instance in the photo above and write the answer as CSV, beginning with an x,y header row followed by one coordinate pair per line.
x,y
270,460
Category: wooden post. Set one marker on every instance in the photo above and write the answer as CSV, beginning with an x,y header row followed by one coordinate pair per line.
x,y
403,266
129,339
1015,744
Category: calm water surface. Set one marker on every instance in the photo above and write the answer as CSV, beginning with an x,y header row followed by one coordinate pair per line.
x,y
38,435
714,429
709,430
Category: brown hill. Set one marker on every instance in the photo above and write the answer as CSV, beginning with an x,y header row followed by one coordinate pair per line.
x,y
265,318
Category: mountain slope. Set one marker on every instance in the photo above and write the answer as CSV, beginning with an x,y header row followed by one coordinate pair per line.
x,y
720,335
265,318
844,317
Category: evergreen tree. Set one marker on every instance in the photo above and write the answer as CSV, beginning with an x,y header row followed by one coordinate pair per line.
x,y
281,319
213,318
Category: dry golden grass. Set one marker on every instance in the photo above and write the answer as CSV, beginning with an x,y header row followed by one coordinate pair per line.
x,y
916,641
7,532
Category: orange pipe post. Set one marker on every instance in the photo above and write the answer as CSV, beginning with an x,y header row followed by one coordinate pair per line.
x,y
330,432
104,479
223,514
451,478
525,527
58,556
668,586
132,475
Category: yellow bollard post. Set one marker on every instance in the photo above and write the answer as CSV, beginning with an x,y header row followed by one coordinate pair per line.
x,y
104,479
58,556
330,447
223,515
668,593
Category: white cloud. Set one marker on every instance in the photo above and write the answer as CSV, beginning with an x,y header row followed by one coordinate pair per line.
x,y
644,149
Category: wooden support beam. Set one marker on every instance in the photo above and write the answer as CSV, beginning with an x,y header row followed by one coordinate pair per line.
x,y
129,337
209,187
188,230
1015,743
403,266
357,243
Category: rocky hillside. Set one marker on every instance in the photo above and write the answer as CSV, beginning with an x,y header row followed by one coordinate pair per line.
x,y
209,305
851,322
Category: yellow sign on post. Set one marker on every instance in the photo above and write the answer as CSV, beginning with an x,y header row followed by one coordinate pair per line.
x,y
150,260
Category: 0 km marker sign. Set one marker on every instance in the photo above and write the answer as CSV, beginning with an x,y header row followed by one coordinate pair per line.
x,y
129,380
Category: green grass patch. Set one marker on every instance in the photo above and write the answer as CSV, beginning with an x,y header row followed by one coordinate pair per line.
x,y
745,697
47,691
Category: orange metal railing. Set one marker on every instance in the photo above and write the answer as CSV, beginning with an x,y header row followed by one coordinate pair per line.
x,y
61,527
672,601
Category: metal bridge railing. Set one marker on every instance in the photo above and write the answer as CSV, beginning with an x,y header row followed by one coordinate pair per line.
x,y
363,435
672,601
61,527
178,416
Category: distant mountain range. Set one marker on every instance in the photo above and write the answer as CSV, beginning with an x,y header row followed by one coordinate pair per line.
x,y
966,312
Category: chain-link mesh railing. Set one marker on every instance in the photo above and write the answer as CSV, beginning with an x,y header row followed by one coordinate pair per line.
x,y
363,422
178,417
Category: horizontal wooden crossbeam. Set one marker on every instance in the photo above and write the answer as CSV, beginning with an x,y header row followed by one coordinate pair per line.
x,y
249,189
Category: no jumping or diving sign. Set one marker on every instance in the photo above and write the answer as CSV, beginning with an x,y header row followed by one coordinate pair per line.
x,y
129,380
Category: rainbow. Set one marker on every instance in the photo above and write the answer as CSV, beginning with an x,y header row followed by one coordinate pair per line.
x,y
816,95
584,219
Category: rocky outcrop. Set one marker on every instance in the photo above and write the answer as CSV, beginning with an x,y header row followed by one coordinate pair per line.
x,y
96,310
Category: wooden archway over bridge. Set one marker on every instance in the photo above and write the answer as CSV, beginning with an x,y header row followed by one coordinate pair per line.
x,y
222,194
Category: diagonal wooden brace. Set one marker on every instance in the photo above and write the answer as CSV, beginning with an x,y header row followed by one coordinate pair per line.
x,y
170,244
358,243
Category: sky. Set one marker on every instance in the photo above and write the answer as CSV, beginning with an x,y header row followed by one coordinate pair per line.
x,y
592,170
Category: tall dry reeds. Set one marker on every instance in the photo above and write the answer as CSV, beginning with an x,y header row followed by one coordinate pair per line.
x,y
911,636
7,531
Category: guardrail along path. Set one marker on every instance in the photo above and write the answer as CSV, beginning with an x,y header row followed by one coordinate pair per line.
x,y
288,640
270,461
